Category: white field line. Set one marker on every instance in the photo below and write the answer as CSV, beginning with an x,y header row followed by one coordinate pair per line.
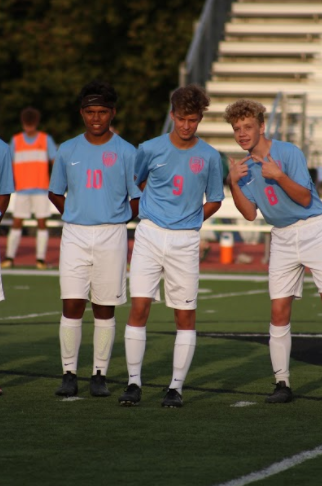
x,y
254,334
203,276
212,296
31,316
275,468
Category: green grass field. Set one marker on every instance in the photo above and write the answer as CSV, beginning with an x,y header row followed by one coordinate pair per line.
x,y
212,440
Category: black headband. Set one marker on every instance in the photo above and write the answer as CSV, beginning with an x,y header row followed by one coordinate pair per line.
x,y
96,100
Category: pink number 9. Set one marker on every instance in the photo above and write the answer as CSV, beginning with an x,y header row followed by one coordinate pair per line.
x,y
178,183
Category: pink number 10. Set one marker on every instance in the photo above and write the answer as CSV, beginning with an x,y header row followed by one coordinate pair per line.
x,y
94,179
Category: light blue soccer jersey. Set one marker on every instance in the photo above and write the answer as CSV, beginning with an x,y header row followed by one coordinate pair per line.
x,y
99,179
6,174
177,181
276,206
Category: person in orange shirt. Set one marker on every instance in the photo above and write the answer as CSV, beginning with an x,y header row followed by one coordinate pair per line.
x,y
32,152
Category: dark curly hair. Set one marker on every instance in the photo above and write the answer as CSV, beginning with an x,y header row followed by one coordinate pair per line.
x,y
97,87
190,99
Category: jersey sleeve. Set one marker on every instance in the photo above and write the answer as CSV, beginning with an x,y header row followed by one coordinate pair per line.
x,y
246,192
215,188
58,180
6,174
141,167
296,167
132,189
51,148
12,147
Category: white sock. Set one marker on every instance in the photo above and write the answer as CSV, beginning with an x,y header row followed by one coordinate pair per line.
x,y
14,238
184,348
41,244
135,339
280,344
70,335
104,334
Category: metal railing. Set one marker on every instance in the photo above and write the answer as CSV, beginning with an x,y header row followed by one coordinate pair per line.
x,y
203,49
282,124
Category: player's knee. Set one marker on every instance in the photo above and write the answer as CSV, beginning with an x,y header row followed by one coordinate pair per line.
x,y
140,310
74,308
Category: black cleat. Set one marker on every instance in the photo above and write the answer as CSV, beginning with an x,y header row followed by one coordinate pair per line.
x,y
69,387
97,386
281,394
172,399
131,396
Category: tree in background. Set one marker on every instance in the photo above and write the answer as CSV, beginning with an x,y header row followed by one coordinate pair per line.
x,y
50,48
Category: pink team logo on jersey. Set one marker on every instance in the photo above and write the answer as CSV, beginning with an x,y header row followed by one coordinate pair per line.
x,y
196,164
109,158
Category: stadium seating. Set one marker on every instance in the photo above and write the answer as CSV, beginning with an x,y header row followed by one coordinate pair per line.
x,y
268,48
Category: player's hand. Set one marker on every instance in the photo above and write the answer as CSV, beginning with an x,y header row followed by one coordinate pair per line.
x,y
237,169
270,169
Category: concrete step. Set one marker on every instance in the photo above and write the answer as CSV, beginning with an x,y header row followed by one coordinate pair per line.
x,y
215,128
287,10
291,49
271,88
230,148
277,29
217,108
267,69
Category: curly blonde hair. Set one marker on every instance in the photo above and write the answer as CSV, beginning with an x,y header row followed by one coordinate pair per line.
x,y
243,109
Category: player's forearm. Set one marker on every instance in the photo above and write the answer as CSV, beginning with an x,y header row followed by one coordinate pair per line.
x,y
295,191
58,201
210,208
244,206
134,203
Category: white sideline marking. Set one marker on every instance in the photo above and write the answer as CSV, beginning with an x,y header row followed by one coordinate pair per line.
x,y
71,399
29,316
212,296
275,468
233,294
254,334
202,276
243,404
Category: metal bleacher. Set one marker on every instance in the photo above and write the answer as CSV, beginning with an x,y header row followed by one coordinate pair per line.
x,y
267,49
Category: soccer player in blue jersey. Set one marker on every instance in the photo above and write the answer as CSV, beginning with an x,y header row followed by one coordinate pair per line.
x,y
274,178
96,169
6,189
174,171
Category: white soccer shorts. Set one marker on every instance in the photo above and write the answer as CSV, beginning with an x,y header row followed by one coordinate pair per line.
x,y
27,204
292,249
171,253
93,262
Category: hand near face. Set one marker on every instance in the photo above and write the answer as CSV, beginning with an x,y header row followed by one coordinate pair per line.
x,y
270,169
237,169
